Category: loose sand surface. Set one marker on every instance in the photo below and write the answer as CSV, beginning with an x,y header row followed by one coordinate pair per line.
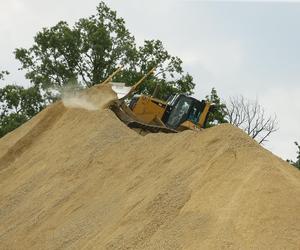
x,y
75,177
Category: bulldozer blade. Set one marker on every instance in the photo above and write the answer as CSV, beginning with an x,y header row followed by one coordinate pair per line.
x,y
124,113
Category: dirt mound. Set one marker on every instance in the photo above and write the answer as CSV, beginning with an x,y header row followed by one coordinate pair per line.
x,y
73,178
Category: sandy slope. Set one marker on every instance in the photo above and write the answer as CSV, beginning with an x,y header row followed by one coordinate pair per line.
x,y
80,179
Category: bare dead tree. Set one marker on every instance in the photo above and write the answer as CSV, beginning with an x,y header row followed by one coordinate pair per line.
x,y
251,117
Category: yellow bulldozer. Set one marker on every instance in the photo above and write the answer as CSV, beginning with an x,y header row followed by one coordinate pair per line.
x,y
147,113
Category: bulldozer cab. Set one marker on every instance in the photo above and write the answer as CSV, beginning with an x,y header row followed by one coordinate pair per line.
x,y
182,108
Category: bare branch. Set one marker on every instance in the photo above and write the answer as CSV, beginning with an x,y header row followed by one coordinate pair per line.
x,y
251,117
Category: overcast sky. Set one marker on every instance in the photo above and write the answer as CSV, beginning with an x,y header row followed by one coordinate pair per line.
x,y
247,48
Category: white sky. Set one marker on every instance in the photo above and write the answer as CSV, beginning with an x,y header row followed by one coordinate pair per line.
x,y
248,48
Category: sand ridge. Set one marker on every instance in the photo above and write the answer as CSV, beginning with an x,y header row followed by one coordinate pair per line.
x,y
76,178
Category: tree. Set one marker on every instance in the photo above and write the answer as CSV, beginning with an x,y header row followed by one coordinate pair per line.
x,y
251,117
17,105
169,73
3,73
92,49
218,111
297,162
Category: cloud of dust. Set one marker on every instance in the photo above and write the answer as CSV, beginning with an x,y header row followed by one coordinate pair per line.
x,y
77,100
94,98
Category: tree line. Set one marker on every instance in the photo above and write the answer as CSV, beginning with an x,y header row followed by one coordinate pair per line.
x,y
89,51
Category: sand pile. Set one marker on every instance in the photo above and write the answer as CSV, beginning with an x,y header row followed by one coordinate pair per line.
x,y
73,178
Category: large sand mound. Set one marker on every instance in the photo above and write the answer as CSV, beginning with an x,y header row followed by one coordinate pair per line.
x,y
73,178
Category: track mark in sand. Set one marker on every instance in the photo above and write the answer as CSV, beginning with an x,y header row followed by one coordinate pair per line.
x,y
50,117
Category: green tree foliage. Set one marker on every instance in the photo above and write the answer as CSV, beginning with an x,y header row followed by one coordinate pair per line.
x,y
92,49
297,162
3,73
218,111
17,105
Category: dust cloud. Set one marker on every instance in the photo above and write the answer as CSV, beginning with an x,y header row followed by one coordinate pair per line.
x,y
94,98
77,100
